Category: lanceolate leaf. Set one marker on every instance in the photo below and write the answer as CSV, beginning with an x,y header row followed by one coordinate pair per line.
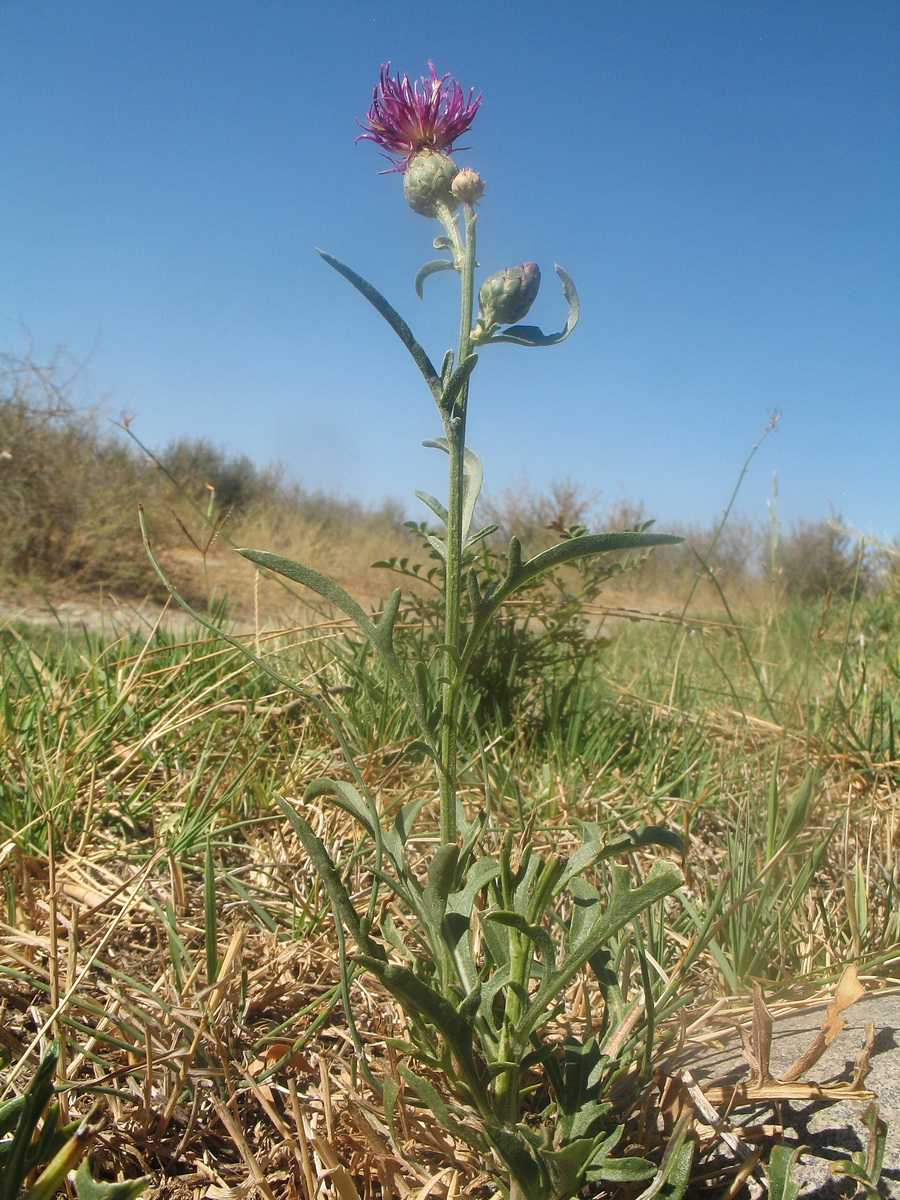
x,y
334,885
323,585
592,852
436,1103
434,504
526,1168
441,875
674,1172
423,1003
437,545
623,1170
624,905
543,943
589,544
88,1188
472,483
36,1100
381,635
393,318
456,383
519,573
345,796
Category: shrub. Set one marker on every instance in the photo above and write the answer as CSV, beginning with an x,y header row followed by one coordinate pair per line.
x,y
817,558
200,467
68,488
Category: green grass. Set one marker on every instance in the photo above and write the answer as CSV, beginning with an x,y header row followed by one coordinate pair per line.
x,y
161,920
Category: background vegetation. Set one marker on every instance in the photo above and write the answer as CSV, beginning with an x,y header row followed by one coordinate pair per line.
x,y
71,480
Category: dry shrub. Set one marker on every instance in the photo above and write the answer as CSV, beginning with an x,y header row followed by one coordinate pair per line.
x,y
519,510
817,558
71,482
235,482
69,488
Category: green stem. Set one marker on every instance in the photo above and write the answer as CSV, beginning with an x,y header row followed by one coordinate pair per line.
x,y
455,430
507,1084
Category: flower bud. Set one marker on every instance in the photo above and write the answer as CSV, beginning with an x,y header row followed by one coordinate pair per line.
x,y
506,297
427,183
468,186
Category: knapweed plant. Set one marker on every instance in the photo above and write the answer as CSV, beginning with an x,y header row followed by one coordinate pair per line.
x,y
481,939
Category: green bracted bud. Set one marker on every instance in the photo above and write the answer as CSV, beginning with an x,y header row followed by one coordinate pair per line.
x,y
506,297
427,181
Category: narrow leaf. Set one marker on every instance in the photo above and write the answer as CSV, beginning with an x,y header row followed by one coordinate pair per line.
x,y
471,484
437,545
624,905
322,585
473,590
569,1164
334,885
623,1170
347,798
384,626
526,1168
88,1188
36,1100
434,504
430,268
393,318
457,383
436,1103
780,1172
592,852
484,532
423,1003
210,915
519,573
9,1114
441,875
539,937
674,1172
326,587
446,367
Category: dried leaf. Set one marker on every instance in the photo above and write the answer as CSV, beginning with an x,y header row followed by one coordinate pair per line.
x,y
297,1062
862,1065
703,1106
849,990
750,1093
762,1037
438,1178
747,1046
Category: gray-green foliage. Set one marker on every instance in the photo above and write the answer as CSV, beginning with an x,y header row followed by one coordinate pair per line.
x,y
482,949
481,959
37,1152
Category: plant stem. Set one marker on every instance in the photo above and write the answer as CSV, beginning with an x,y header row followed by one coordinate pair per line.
x,y
455,430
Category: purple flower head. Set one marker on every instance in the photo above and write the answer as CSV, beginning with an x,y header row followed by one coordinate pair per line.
x,y
429,114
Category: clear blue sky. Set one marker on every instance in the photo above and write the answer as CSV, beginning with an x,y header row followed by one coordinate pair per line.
x,y
720,177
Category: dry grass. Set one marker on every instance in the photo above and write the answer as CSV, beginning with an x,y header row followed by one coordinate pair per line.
x,y
220,1043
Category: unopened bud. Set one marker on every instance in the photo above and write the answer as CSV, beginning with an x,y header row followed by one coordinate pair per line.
x,y
506,297
468,186
427,183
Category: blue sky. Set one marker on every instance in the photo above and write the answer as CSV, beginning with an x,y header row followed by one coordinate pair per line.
x,y
720,178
